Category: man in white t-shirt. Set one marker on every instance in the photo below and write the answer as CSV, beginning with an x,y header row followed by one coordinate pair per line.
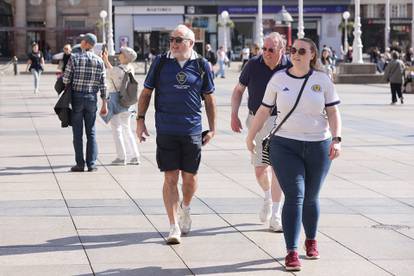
x,y
245,55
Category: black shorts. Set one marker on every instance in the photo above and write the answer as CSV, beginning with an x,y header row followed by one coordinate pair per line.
x,y
175,152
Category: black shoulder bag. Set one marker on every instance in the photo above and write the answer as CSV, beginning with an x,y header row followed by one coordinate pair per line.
x,y
266,140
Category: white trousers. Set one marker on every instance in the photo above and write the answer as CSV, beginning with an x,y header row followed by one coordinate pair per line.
x,y
125,143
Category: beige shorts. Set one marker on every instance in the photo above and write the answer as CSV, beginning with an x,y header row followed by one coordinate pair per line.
x,y
256,158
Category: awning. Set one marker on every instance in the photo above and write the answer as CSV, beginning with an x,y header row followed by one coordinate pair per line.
x,y
147,23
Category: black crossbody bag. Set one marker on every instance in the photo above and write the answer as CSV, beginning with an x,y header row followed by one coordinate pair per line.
x,y
266,140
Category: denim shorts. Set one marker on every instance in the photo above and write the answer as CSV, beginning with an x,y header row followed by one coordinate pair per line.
x,y
179,152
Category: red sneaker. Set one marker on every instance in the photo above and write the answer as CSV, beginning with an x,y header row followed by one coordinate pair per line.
x,y
311,248
292,262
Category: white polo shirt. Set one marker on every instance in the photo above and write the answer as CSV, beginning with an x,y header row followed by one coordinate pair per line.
x,y
309,121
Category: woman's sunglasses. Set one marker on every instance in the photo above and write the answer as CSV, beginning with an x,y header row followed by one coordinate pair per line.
x,y
177,39
300,51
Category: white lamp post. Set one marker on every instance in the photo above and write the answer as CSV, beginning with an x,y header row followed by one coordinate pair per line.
x,y
111,49
301,28
103,14
225,20
260,23
345,16
412,25
357,45
387,24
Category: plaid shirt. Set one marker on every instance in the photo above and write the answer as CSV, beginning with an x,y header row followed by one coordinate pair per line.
x,y
88,73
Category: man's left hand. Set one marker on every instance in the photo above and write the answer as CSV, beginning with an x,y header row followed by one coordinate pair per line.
x,y
208,137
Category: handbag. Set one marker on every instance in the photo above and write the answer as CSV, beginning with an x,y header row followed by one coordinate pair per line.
x,y
59,85
266,140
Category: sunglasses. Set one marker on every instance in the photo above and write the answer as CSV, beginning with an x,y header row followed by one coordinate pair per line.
x,y
300,51
270,50
177,39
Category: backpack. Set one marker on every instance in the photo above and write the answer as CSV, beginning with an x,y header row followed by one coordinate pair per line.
x,y
128,92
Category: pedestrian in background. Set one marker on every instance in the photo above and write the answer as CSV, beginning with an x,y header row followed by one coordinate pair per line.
x,y
85,73
118,115
245,55
210,57
35,65
394,74
302,150
327,63
67,50
221,60
255,76
180,84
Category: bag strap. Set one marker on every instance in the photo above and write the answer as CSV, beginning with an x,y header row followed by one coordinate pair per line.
x,y
273,132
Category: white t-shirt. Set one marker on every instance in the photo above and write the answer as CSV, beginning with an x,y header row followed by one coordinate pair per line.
x,y
245,53
309,121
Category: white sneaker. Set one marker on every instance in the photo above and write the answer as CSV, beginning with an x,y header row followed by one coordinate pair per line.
x,y
185,220
275,224
175,235
266,211
134,161
118,162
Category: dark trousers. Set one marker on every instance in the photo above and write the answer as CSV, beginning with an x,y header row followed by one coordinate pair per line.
x,y
396,90
84,107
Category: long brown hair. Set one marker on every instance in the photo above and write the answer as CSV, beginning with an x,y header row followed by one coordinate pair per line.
x,y
314,64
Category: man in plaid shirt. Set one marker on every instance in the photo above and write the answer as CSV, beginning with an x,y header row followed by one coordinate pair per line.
x,y
85,73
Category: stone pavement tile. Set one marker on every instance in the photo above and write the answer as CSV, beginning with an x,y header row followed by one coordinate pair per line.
x,y
104,210
369,206
254,267
37,232
214,246
374,243
110,222
402,221
33,195
140,268
246,205
46,270
95,194
43,255
27,186
107,184
142,246
340,267
344,221
155,206
397,267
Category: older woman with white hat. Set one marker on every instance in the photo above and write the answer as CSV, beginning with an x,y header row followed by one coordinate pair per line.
x,y
119,116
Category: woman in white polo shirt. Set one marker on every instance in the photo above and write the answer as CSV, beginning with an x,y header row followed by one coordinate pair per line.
x,y
302,150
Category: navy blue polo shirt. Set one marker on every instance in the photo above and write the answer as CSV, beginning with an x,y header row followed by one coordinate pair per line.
x,y
178,95
255,76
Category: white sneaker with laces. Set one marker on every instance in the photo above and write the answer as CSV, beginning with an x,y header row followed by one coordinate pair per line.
x,y
275,224
266,211
185,219
175,235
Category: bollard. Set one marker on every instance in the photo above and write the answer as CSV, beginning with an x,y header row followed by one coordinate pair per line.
x,y
14,60
145,66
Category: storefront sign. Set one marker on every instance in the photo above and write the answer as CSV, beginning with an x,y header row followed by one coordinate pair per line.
x,y
149,10
201,9
276,9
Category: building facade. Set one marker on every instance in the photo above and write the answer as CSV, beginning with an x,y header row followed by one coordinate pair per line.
x,y
145,26
50,23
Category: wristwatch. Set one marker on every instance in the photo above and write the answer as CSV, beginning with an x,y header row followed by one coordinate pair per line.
x,y
139,117
337,139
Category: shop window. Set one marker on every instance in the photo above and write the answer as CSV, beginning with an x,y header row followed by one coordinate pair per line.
x,y
75,24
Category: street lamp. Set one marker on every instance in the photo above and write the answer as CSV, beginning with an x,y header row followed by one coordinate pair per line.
x,y
260,23
357,45
284,17
345,16
301,33
111,49
103,14
225,19
387,25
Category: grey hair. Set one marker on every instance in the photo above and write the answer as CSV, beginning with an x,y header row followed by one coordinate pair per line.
x,y
188,33
279,39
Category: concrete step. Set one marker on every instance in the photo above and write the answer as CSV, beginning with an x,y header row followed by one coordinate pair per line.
x,y
359,78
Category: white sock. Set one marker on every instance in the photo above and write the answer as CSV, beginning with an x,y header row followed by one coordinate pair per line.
x,y
267,194
184,207
276,208
174,225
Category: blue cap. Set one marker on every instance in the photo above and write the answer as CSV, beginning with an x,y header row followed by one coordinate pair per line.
x,y
90,38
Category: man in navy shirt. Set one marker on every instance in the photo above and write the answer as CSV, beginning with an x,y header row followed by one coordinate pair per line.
x,y
255,76
180,79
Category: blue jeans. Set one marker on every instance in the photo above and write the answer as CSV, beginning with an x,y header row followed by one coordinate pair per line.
x,y
84,107
301,168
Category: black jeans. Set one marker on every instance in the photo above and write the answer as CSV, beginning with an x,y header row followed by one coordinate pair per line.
x,y
396,90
